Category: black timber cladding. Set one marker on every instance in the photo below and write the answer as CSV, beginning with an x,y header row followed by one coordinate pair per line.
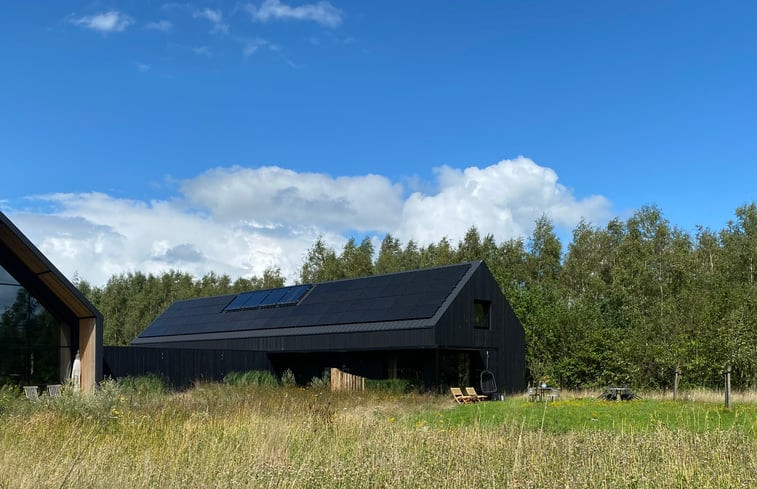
x,y
393,301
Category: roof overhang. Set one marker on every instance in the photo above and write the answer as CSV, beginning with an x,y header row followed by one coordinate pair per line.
x,y
35,272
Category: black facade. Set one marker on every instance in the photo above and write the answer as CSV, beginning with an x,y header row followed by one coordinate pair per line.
x,y
438,327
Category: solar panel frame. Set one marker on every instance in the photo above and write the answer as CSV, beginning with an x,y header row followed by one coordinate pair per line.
x,y
262,299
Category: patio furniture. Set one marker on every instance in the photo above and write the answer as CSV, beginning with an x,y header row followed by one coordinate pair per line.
x,y
618,394
31,392
471,391
543,393
460,398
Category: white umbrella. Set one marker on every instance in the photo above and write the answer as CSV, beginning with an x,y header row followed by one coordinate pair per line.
x,y
76,373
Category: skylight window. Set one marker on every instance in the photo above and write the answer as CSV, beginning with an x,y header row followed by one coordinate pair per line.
x,y
260,299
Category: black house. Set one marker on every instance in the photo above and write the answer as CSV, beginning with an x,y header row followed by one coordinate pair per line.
x,y
438,326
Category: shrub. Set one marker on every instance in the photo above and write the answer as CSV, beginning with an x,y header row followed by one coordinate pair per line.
x,y
322,383
8,395
287,378
149,384
251,377
394,386
106,403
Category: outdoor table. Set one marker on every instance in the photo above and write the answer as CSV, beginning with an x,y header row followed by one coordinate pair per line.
x,y
544,393
618,393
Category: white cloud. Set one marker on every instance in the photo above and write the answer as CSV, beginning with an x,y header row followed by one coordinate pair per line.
x,y
215,17
161,25
269,196
241,220
503,199
112,21
98,236
142,67
321,12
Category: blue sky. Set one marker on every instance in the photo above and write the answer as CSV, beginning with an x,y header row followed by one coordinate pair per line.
x,y
228,135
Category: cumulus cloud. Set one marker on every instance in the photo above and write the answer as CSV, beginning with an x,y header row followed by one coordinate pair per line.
x,y
97,236
111,21
322,12
270,196
239,220
503,199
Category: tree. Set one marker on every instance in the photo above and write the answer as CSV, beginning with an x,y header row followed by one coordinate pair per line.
x,y
546,252
320,265
390,255
356,261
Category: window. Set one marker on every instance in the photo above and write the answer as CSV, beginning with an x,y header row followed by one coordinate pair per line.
x,y
481,314
31,344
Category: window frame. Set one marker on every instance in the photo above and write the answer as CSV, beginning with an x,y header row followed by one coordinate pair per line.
x,y
485,307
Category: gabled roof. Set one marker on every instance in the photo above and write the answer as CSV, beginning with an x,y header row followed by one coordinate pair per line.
x,y
34,271
404,300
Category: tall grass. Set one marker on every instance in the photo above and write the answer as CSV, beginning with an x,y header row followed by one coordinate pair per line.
x,y
217,435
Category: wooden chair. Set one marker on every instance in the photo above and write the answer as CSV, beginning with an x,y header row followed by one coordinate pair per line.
x,y
459,396
32,392
471,391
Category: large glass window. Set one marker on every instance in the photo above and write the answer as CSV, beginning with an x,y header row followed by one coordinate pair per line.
x,y
30,338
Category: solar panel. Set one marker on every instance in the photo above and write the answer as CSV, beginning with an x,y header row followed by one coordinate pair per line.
x,y
273,298
254,299
285,296
237,302
404,296
294,294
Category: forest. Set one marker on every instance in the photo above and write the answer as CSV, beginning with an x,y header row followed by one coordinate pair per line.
x,y
627,303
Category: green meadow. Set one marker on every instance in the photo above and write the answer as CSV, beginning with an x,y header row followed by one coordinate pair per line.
x,y
140,435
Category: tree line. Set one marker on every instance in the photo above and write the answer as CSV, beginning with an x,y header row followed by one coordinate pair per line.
x,y
626,303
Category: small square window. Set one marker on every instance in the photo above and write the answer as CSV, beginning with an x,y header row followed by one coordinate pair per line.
x,y
481,314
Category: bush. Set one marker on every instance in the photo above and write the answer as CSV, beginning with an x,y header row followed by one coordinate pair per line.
x,y
322,383
8,395
251,377
395,386
287,378
149,384
106,403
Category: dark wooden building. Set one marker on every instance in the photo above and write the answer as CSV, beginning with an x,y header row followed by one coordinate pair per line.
x,y
438,326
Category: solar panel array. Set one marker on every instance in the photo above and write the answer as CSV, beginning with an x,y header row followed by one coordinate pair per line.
x,y
406,296
285,296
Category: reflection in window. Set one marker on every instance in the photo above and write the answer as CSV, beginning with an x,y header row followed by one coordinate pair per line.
x,y
481,314
30,337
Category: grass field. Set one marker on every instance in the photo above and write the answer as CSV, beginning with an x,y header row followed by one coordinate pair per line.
x,y
218,435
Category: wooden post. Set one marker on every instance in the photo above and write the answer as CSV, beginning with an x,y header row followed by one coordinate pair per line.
x,y
675,382
728,387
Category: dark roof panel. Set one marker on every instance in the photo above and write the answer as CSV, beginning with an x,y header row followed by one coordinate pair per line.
x,y
406,297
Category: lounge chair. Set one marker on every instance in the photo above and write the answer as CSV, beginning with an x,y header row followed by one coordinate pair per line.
x,y
459,396
32,392
475,395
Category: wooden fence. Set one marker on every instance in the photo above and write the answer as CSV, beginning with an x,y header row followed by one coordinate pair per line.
x,y
342,381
